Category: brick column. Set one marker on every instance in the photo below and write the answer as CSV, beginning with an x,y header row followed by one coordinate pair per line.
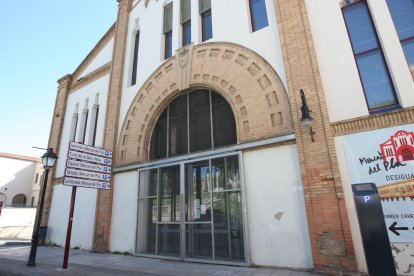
x,y
103,216
330,236
55,138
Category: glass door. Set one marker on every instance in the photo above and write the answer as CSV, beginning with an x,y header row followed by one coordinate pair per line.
x,y
192,210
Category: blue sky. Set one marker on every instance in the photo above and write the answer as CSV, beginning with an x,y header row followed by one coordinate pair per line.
x,y
40,42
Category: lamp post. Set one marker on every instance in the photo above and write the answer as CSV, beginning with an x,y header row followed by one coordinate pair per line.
x,y
48,160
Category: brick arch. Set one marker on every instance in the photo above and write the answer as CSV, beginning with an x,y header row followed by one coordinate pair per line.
x,y
251,86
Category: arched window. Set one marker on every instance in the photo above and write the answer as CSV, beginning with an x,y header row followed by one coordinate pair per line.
x,y
195,121
19,200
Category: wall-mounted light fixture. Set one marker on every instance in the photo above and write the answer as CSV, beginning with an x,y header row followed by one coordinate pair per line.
x,y
306,120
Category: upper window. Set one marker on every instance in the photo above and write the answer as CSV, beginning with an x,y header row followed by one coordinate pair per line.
x,y
206,24
195,121
168,9
135,61
369,57
186,21
402,12
258,14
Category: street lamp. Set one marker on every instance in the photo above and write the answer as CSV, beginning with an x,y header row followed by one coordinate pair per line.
x,y
48,160
306,120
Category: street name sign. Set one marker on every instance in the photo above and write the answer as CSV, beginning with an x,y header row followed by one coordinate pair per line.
x,y
70,181
87,174
87,166
91,150
89,157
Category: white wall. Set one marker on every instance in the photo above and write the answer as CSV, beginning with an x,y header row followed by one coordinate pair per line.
x,y
83,218
17,217
16,177
78,98
231,23
124,212
103,57
273,186
340,79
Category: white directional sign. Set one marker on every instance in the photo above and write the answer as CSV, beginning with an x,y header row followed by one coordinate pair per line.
x,y
87,174
86,183
87,166
90,150
89,157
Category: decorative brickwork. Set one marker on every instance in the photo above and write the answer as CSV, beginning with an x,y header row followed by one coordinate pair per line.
x,y
55,137
103,215
250,85
331,240
390,119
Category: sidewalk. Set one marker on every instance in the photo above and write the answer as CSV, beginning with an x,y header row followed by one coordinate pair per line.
x,y
13,259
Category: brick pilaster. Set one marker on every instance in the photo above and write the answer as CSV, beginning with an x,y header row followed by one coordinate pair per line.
x,y
103,216
55,138
330,236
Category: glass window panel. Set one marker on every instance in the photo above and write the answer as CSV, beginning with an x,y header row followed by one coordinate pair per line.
x,y
168,45
224,125
375,80
221,227
185,10
186,33
204,5
148,183
200,126
206,25
147,226
218,174
236,226
135,60
178,126
402,12
233,174
258,14
408,47
197,192
168,9
198,241
169,239
360,27
170,209
158,147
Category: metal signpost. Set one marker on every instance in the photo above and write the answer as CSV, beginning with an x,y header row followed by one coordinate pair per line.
x,y
87,167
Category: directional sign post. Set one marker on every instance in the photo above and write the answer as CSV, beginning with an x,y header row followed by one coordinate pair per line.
x,y
87,167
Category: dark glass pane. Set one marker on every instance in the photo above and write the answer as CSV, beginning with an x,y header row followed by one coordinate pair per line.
x,y
168,45
148,183
169,239
360,27
197,192
198,241
147,226
186,33
178,126
170,209
135,61
408,47
402,12
206,25
218,174
158,147
200,126
258,14
233,174
375,80
236,226
224,125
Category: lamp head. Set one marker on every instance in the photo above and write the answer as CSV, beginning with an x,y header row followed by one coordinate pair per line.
x,y
49,159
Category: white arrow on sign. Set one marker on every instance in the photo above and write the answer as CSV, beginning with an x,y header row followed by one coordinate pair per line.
x,y
87,174
89,157
90,150
69,181
87,166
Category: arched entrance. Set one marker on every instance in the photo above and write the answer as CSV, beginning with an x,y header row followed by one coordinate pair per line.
x,y
19,200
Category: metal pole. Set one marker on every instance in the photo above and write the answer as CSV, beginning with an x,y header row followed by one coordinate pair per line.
x,y
35,235
69,231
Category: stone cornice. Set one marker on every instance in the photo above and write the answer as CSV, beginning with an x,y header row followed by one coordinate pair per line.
x,y
95,51
371,122
92,76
